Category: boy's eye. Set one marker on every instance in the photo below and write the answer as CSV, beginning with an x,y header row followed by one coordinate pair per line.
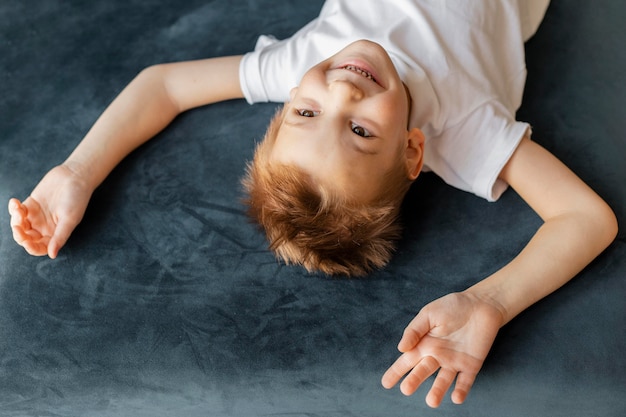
x,y
360,130
307,113
356,129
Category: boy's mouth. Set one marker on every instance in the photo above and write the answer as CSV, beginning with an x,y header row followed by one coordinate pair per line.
x,y
360,71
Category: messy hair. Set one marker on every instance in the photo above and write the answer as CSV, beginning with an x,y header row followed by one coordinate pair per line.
x,y
310,225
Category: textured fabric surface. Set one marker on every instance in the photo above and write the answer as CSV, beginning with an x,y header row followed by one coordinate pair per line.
x,y
165,301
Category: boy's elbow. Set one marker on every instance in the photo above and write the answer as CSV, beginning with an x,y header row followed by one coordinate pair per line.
x,y
154,80
152,69
614,226
607,223
154,76
150,72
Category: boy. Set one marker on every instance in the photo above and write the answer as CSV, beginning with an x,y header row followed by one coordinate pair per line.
x,y
436,85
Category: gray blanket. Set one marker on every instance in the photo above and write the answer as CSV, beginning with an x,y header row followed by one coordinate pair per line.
x,y
165,301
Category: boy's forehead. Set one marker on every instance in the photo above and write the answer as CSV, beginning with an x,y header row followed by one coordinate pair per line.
x,y
347,178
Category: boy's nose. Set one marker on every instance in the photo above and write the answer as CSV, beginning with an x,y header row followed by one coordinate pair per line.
x,y
345,90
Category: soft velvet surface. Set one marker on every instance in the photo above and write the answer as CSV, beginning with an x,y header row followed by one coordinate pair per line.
x,y
165,302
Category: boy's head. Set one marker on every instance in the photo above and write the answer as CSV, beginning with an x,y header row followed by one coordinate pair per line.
x,y
328,179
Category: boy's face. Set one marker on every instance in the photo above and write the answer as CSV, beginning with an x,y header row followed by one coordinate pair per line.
x,y
346,123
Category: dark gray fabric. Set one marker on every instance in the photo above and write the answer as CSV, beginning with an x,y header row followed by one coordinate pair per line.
x,y
165,301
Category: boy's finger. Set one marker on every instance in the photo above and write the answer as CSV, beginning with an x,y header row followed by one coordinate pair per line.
x,y
17,207
18,234
17,216
23,233
53,249
31,240
13,204
464,382
398,369
33,246
444,379
38,248
424,369
390,378
414,332
409,340
61,235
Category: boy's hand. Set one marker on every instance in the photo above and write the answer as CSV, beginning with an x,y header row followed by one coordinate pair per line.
x,y
452,334
44,221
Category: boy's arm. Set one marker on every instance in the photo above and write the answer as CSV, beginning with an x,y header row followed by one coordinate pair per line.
x,y
44,221
147,105
454,333
578,225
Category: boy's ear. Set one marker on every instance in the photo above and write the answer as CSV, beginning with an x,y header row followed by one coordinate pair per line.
x,y
414,153
292,93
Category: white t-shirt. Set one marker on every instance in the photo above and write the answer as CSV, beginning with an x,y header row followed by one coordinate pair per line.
x,y
463,62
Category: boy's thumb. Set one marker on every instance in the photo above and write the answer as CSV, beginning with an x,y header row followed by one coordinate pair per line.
x,y
61,235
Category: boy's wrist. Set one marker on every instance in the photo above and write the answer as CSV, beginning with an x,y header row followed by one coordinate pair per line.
x,y
81,171
491,298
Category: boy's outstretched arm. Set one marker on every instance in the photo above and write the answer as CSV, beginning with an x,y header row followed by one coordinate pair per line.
x,y
44,221
454,333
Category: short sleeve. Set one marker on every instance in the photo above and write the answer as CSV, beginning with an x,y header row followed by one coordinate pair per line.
x,y
471,154
256,69
276,66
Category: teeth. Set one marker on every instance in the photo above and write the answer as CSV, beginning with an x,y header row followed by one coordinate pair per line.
x,y
359,71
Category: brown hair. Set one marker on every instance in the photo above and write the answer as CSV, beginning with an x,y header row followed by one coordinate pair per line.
x,y
310,225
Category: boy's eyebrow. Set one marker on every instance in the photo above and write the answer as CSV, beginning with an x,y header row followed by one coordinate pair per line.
x,y
303,125
299,123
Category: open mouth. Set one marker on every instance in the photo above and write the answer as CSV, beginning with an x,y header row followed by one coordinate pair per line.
x,y
360,71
